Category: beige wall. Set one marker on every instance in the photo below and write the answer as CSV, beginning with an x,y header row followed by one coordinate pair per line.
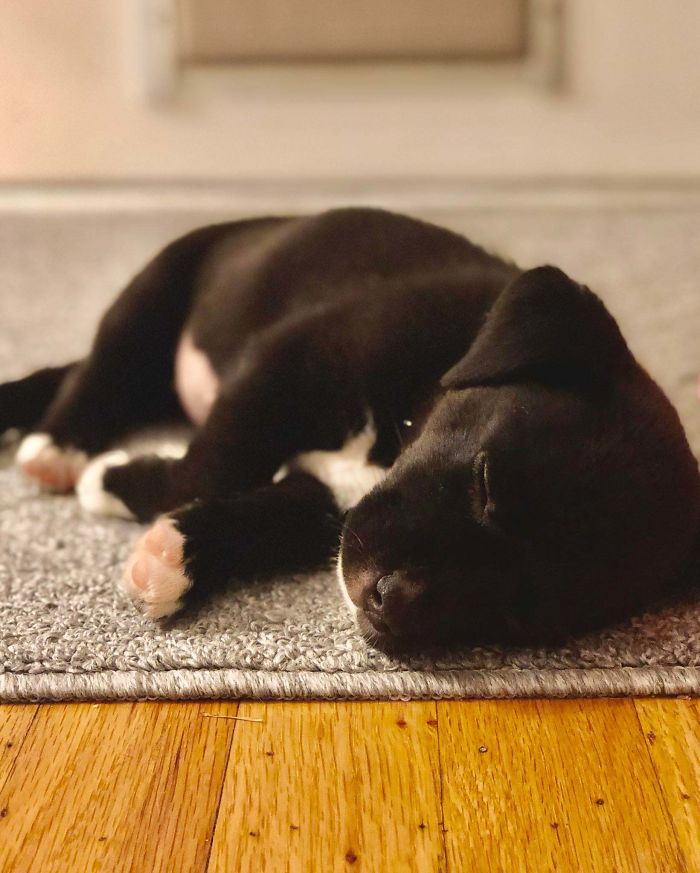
x,y
69,107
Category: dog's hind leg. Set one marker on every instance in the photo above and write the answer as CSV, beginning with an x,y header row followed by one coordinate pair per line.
x,y
127,379
23,402
288,527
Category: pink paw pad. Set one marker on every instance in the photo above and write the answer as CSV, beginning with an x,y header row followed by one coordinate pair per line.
x,y
53,468
155,576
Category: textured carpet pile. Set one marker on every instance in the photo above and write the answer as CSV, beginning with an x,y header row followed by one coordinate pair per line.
x,y
67,632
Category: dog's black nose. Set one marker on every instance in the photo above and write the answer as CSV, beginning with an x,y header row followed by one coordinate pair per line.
x,y
391,600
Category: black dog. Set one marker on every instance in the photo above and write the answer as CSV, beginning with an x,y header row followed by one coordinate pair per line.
x,y
511,473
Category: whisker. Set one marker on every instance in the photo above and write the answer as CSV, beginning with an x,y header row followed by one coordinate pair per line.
x,y
348,528
399,435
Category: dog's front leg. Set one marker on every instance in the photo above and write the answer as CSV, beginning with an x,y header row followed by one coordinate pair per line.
x,y
285,400
199,549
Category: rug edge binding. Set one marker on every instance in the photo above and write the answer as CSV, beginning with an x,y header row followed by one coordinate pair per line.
x,y
510,683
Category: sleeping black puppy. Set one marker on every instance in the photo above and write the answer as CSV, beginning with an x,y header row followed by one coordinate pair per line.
x,y
500,466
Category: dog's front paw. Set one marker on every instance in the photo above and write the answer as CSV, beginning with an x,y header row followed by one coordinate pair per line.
x,y
53,467
155,575
117,484
91,491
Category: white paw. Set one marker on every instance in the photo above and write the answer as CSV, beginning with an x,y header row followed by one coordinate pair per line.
x,y
52,467
155,577
90,487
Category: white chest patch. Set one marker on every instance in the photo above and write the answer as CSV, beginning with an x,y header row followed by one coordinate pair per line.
x,y
346,472
196,383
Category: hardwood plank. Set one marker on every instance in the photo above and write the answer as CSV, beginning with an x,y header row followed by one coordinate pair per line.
x,y
326,787
15,721
672,731
115,787
551,785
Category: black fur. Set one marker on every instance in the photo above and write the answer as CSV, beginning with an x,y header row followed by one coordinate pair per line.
x,y
540,483
289,526
25,401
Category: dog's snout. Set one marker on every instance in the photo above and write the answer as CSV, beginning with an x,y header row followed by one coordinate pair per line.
x,y
391,599
372,600
377,595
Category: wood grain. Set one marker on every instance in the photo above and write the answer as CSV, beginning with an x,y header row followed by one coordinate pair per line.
x,y
15,722
556,785
672,732
571,786
115,787
332,787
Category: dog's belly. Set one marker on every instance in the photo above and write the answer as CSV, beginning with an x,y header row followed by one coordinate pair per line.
x,y
347,472
196,383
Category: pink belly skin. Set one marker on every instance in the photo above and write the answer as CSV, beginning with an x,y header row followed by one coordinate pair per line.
x,y
196,383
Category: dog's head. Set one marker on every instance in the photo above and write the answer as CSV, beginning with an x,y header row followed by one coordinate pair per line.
x,y
551,490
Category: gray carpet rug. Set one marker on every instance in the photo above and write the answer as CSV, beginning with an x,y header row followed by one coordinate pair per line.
x,y
66,632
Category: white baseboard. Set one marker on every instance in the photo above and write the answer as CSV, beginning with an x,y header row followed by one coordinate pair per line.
x,y
413,195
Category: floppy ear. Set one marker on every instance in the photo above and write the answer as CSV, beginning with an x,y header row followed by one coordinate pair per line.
x,y
546,327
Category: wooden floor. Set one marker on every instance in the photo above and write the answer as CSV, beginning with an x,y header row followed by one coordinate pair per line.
x,y
510,786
